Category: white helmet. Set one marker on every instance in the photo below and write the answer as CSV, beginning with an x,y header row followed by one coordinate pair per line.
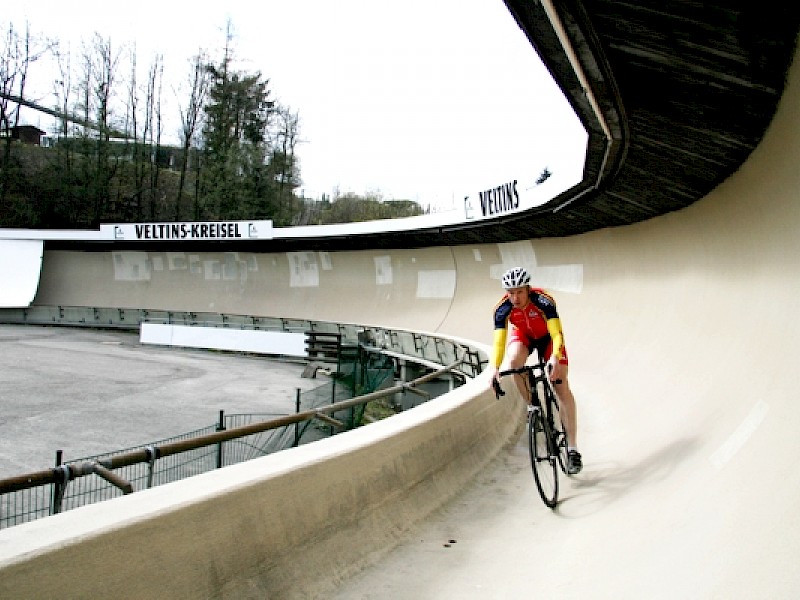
x,y
516,277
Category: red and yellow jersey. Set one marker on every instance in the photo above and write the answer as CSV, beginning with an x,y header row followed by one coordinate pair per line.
x,y
537,325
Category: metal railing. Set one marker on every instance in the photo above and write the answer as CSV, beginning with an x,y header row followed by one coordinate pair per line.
x,y
235,439
75,483
440,350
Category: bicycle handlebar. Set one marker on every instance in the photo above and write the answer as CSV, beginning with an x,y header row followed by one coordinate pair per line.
x,y
498,391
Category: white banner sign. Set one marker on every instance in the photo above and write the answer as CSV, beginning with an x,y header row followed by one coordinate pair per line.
x,y
210,230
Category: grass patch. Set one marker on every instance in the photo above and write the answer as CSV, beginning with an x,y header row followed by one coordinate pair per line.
x,y
377,410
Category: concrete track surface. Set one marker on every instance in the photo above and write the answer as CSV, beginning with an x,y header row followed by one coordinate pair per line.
x,y
684,342
683,338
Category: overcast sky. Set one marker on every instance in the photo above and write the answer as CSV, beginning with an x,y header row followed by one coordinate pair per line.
x,y
420,99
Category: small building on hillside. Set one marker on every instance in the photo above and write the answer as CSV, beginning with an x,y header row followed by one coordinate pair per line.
x,y
27,134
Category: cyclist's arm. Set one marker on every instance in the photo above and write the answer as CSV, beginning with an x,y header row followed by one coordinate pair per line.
x,y
501,312
498,347
554,329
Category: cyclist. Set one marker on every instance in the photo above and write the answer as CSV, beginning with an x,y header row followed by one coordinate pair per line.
x,y
531,316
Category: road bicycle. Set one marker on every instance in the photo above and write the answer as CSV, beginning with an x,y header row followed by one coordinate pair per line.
x,y
547,441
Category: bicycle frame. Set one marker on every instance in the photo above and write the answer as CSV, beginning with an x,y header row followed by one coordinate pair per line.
x,y
547,441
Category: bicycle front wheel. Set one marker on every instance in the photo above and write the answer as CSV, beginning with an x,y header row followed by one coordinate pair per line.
x,y
543,461
560,444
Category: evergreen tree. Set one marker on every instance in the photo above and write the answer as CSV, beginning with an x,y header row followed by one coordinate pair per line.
x,y
234,174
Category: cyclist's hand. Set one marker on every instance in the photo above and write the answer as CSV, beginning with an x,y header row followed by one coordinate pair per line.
x,y
494,382
494,376
555,370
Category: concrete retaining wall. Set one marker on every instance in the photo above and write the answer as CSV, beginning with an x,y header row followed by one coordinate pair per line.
x,y
288,525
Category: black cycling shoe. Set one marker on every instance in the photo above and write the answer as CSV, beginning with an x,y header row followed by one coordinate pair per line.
x,y
574,462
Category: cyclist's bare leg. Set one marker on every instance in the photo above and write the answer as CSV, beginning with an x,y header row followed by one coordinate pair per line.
x,y
516,355
569,411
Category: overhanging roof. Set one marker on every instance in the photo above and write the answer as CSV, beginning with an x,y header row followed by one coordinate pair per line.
x,y
684,89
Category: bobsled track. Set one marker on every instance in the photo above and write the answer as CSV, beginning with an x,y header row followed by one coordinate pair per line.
x,y
683,339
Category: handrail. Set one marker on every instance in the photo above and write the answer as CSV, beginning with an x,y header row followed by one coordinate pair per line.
x,y
104,468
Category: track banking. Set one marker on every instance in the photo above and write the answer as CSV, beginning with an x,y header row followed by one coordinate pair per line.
x,y
187,231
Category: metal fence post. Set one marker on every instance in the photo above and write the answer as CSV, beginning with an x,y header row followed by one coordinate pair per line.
x,y
297,425
64,473
152,455
56,492
220,427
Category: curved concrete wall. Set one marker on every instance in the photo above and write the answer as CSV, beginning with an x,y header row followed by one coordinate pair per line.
x,y
405,287
291,524
682,338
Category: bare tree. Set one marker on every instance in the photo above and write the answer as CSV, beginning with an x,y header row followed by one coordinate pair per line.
x,y
143,118
284,155
18,53
155,130
101,62
62,89
136,150
191,118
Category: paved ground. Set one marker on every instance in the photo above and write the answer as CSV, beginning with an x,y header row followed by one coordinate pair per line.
x,y
88,392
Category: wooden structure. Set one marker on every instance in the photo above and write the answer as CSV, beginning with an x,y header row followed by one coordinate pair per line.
x,y
27,134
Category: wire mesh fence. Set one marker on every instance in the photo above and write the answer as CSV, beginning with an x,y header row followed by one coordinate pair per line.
x,y
25,505
361,368
33,502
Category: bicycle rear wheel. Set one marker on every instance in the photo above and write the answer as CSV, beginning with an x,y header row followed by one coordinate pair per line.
x,y
543,462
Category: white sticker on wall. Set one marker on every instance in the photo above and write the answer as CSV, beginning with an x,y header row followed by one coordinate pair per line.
x,y
212,270
558,278
176,261
195,264
252,263
325,261
303,269
436,284
230,268
131,266
383,270
517,254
